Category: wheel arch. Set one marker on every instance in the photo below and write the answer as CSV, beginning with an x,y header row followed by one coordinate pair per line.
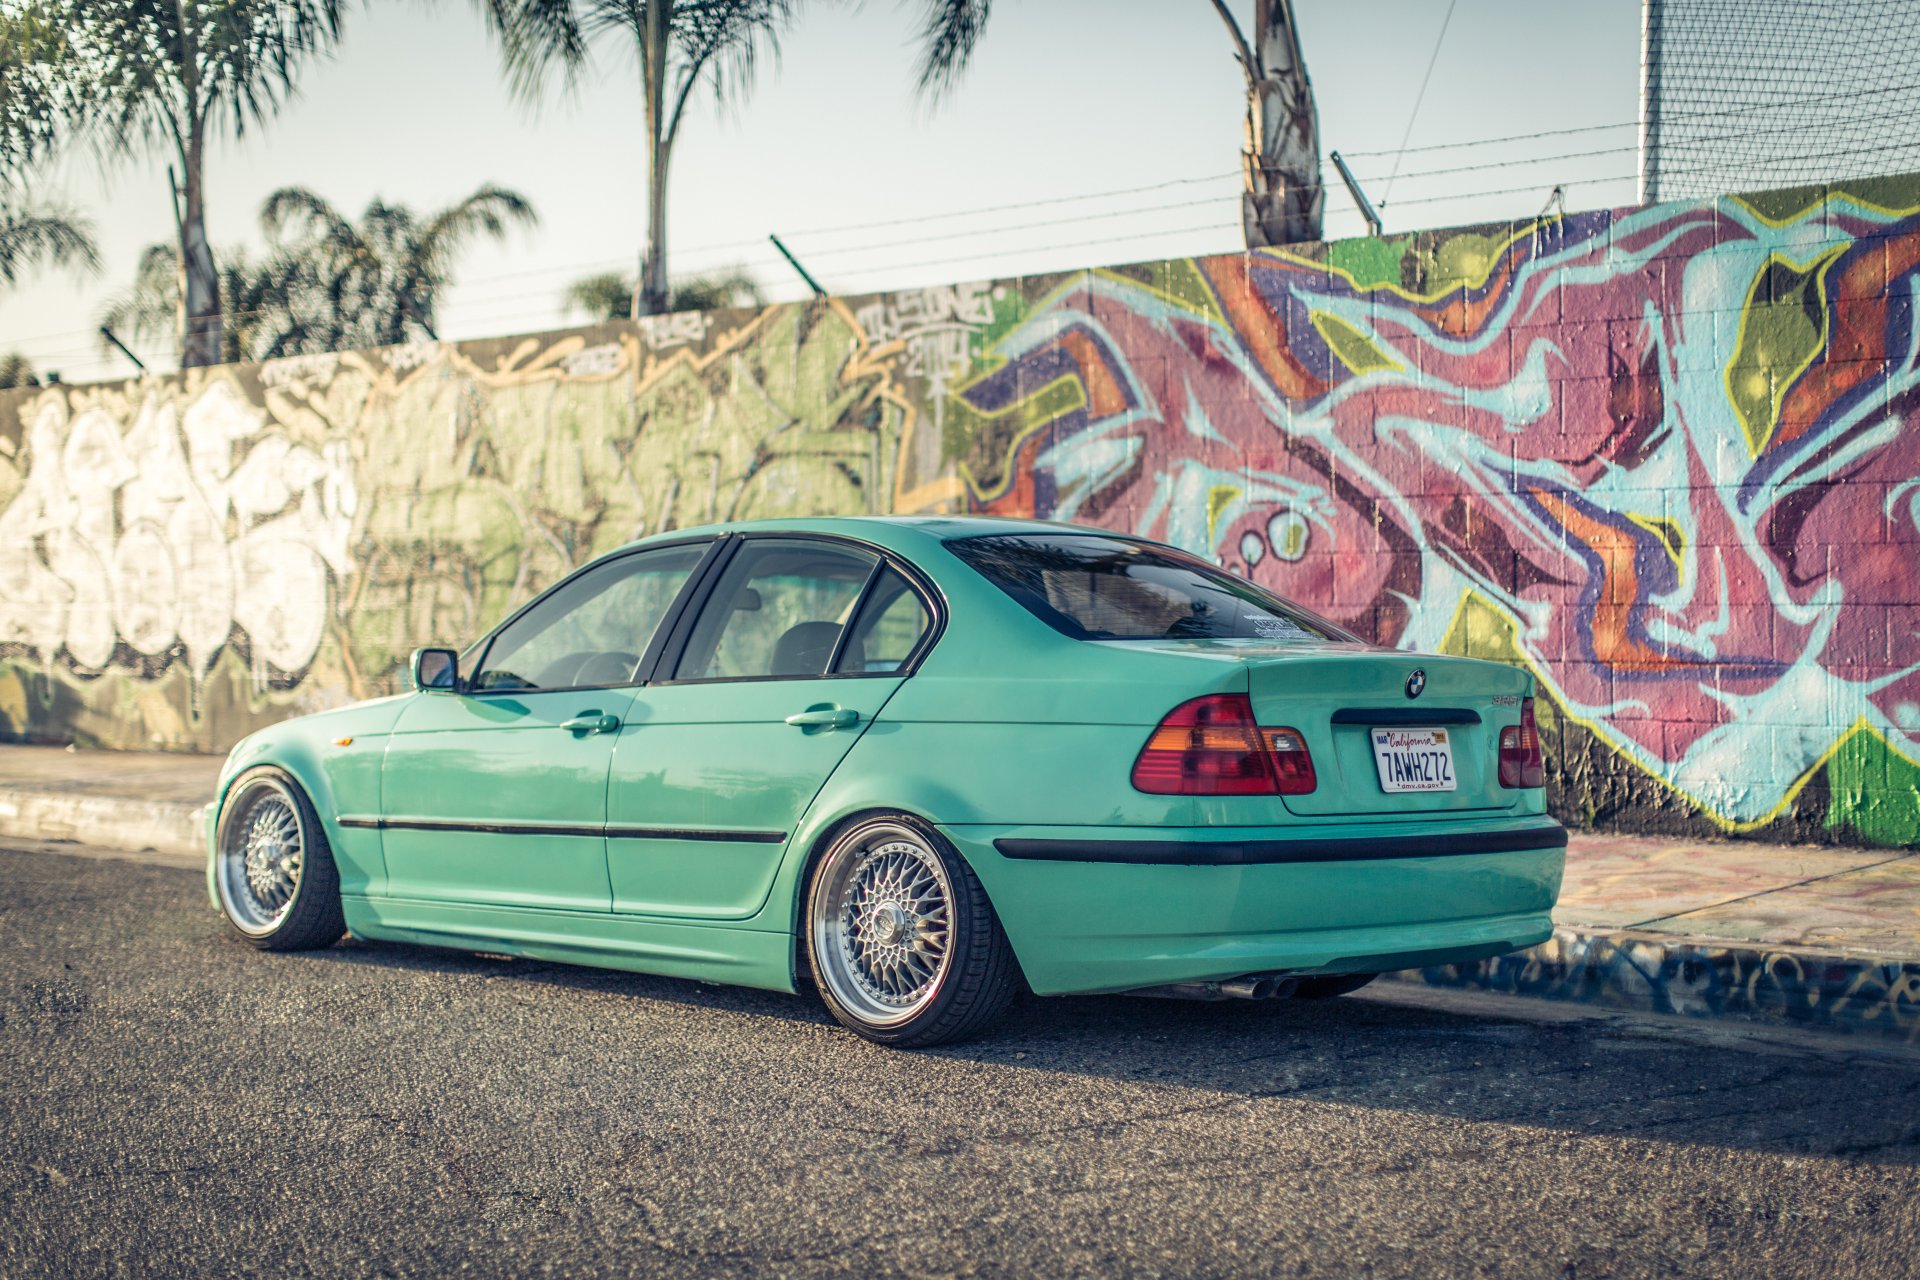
x,y
832,813
288,753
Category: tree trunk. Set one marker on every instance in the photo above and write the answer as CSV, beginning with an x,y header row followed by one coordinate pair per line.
x,y
653,266
1283,199
200,320
651,299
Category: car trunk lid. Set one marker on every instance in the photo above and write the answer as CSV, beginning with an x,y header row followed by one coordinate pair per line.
x,y
1421,706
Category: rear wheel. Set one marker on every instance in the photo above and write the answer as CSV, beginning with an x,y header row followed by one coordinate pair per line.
x,y
273,870
1329,985
903,944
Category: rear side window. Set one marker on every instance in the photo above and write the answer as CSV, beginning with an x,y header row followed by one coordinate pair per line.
x,y
777,612
890,627
1099,588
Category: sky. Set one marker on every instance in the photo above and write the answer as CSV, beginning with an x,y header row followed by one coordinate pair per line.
x,y
1086,132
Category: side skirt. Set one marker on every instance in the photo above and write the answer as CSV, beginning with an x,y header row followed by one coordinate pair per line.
x,y
740,957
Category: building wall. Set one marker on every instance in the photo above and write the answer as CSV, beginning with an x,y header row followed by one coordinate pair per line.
x,y
1668,458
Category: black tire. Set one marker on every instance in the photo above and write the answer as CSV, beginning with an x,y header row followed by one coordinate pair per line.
x,y
1329,985
311,917
973,982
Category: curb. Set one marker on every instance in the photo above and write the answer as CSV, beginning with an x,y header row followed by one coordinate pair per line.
x,y
1702,978
113,822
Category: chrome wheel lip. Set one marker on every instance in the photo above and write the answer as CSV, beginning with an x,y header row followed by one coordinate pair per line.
x,y
261,856
887,872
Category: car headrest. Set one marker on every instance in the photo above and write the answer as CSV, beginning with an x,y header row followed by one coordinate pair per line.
x,y
805,649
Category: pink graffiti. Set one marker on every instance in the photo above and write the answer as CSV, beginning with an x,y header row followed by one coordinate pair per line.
x,y
1672,447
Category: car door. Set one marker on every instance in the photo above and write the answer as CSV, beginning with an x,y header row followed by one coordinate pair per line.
x,y
497,793
767,685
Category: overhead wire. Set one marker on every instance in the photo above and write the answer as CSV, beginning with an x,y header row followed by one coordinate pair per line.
x,y
1419,98
459,295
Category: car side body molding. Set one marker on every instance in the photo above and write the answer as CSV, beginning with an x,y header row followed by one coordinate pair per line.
x,y
1230,853
596,830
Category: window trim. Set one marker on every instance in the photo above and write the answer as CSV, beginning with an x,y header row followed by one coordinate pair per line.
x,y
931,599
649,658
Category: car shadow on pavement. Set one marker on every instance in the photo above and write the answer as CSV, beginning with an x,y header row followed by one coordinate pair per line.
x,y
1581,1076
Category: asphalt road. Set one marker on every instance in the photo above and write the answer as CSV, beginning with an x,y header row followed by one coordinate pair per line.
x,y
175,1103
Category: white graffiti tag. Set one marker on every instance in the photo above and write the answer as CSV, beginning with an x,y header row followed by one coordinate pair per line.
x,y
160,537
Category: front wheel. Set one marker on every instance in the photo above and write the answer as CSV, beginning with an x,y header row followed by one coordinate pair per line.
x,y
904,945
274,872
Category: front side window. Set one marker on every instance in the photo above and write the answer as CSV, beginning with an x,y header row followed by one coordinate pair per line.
x,y
1101,588
777,611
591,630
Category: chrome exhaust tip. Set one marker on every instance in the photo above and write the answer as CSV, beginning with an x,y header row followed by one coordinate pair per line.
x,y
1250,986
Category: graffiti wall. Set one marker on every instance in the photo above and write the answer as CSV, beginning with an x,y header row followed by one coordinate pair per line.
x,y
1667,458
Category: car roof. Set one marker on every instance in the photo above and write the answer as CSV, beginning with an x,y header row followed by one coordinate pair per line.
x,y
894,532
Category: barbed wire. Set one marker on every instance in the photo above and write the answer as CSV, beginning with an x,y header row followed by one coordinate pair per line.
x,y
479,298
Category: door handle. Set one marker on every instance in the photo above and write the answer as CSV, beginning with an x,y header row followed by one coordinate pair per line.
x,y
591,722
824,718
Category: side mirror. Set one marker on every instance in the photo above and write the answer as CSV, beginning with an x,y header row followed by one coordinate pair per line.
x,y
435,670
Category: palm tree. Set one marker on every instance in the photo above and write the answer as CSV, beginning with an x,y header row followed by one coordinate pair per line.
x,y
608,295
25,129
364,285
124,77
325,284
16,371
34,237
254,309
678,43
1282,197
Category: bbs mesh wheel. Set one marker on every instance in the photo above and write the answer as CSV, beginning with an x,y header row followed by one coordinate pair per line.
x,y
904,946
273,871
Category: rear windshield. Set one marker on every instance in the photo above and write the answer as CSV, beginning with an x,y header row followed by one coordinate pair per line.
x,y
1098,588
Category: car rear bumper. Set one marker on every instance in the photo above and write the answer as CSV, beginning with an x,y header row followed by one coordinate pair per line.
x,y
1116,908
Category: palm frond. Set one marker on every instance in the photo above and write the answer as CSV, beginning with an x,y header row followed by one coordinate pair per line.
x,y
607,295
16,371
538,38
715,290
37,237
949,32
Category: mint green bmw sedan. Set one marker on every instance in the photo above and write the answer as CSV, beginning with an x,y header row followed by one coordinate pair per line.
x,y
920,763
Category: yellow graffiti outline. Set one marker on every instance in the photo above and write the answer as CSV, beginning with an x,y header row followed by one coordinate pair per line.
x,y
1592,726
1219,498
1167,295
1834,194
868,360
1819,265
1673,539
1437,295
966,476
1347,335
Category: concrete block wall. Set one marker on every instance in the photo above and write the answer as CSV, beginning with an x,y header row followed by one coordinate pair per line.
x,y
1668,458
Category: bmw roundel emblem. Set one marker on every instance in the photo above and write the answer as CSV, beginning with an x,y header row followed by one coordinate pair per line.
x,y
1416,682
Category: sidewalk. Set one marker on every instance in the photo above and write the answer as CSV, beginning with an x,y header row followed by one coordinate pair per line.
x,y
1818,937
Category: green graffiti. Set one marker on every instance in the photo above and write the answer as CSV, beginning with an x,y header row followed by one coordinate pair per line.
x,y
1783,329
1874,790
1369,263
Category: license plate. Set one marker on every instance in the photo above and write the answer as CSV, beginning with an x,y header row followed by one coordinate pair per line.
x,y
1414,759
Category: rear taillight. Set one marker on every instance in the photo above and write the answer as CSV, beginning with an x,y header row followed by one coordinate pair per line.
x,y
1521,762
1292,762
1212,747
